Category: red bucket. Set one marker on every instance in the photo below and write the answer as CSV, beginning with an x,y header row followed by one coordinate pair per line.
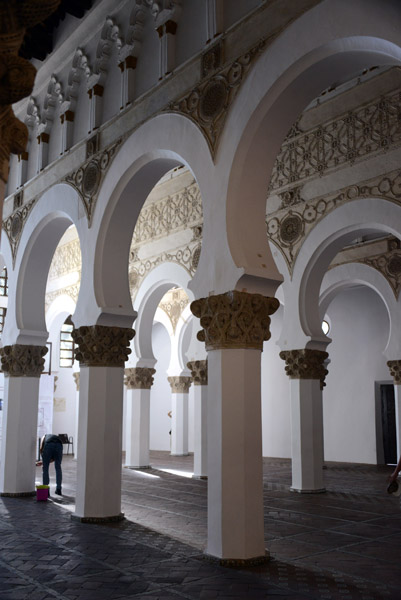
x,y
42,493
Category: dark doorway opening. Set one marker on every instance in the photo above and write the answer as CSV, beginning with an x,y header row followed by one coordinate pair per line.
x,y
388,423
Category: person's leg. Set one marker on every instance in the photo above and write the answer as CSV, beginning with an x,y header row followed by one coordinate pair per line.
x,y
58,457
46,456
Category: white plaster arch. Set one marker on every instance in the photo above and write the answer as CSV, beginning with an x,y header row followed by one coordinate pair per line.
x,y
156,147
161,279
330,43
348,275
53,213
302,323
59,310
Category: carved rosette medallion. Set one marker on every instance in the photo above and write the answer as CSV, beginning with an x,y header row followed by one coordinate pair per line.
x,y
395,370
87,179
139,378
14,225
207,104
76,380
102,346
180,384
305,364
198,370
22,360
234,320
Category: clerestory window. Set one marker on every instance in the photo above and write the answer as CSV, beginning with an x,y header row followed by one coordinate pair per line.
x,y
66,344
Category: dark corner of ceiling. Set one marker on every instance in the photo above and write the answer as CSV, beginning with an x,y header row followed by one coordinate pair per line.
x,y
38,41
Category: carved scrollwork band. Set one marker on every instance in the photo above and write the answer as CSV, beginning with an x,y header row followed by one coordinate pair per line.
x,y
234,320
395,370
139,378
180,384
22,360
198,370
305,364
102,346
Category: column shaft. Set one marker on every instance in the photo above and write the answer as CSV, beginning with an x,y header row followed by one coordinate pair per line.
x,y
306,435
397,398
235,470
200,431
137,428
19,435
179,429
99,443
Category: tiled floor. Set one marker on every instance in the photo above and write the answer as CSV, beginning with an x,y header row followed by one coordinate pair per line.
x,y
342,545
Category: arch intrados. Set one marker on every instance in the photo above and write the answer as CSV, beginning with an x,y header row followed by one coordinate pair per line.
x,y
285,96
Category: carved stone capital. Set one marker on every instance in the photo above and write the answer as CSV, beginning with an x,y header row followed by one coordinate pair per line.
x,y
234,320
395,370
76,379
22,361
180,384
305,364
102,346
139,378
198,370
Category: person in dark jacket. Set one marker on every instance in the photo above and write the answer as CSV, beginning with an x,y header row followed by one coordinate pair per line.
x,y
51,449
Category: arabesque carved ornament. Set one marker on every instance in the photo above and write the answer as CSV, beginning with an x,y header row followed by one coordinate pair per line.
x,y
389,265
198,370
22,360
180,384
305,364
139,378
102,346
395,370
87,179
234,320
14,225
287,229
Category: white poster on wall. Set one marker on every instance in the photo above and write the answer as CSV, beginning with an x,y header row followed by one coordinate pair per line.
x,y
45,411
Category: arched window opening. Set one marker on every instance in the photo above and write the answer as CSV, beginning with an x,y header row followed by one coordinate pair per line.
x,y
67,345
4,282
325,327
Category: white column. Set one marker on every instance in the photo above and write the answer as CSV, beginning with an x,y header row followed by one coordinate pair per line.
x,y
395,370
95,106
214,18
235,326
179,427
128,70
22,366
306,369
43,151
139,382
99,461
76,379
22,169
67,125
199,376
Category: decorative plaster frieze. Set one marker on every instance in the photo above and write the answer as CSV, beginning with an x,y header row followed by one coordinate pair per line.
x,y
234,320
87,179
305,364
102,346
180,384
173,304
208,103
22,360
172,213
395,370
371,128
389,265
139,378
287,229
71,290
66,259
76,379
198,370
14,225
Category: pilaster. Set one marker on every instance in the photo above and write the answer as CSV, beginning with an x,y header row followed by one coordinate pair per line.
x,y
235,325
198,370
138,381
179,427
306,370
101,352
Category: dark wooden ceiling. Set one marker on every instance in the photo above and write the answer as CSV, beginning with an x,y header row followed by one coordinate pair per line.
x,y
38,41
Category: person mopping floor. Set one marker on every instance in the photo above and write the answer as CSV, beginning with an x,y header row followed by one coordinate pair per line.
x,y
51,449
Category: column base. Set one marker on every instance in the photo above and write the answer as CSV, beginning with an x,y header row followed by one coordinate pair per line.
x,y
319,491
17,494
138,468
204,477
112,519
238,563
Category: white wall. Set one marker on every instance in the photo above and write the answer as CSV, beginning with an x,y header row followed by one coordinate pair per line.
x,y
64,403
359,330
